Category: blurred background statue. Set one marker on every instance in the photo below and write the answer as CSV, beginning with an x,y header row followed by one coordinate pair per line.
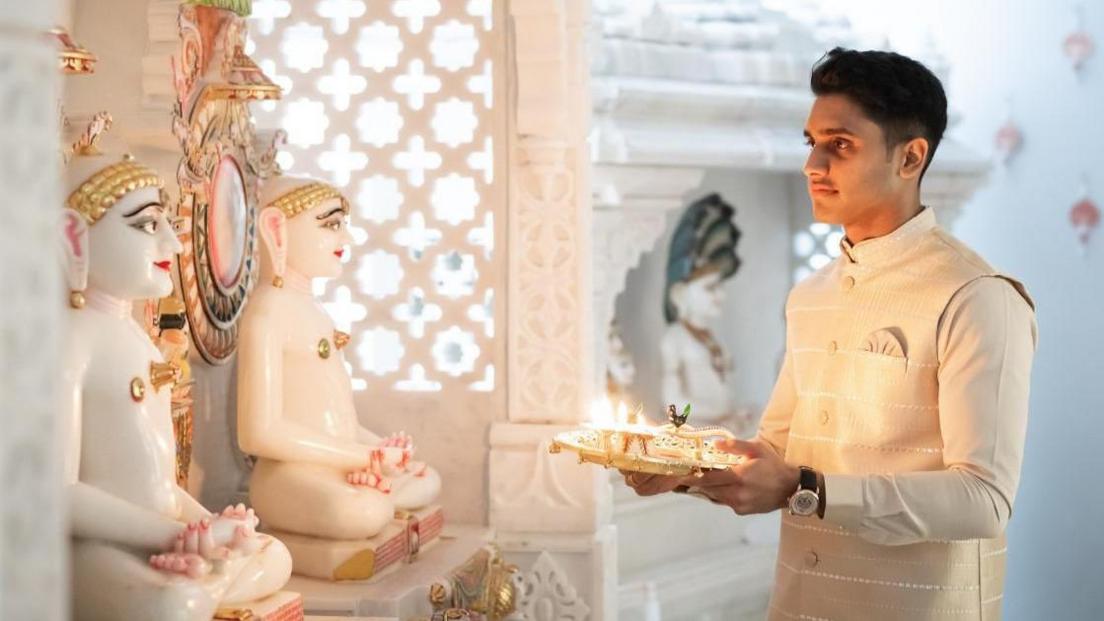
x,y
701,258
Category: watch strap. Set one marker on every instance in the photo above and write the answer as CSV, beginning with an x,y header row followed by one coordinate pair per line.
x,y
807,479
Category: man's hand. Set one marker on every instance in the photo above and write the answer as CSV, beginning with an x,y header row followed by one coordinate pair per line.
x,y
651,484
761,483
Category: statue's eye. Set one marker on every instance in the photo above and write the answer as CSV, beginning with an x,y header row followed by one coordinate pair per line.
x,y
333,225
146,225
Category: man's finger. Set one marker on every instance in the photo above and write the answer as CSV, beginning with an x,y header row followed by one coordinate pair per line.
x,y
718,478
750,448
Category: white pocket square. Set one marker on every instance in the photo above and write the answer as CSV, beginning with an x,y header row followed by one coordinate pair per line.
x,y
884,342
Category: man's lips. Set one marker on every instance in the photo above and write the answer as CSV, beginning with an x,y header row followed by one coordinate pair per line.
x,y
165,265
822,189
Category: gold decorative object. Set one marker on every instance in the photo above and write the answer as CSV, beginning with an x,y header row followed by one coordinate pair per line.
x,y
340,339
76,299
246,82
482,585
72,57
137,389
165,323
634,444
85,144
360,566
307,196
162,374
278,282
235,614
323,349
220,171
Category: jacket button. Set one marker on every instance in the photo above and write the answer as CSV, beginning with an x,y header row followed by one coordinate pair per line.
x,y
811,559
824,417
833,347
848,283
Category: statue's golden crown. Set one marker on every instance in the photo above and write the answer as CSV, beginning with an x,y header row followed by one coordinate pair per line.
x,y
304,197
97,193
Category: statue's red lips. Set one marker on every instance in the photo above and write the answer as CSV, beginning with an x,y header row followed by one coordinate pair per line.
x,y
339,252
165,265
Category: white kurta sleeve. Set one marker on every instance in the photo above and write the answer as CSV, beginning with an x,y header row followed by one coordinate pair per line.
x,y
986,342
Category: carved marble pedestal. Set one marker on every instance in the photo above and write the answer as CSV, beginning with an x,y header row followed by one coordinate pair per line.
x,y
331,559
403,593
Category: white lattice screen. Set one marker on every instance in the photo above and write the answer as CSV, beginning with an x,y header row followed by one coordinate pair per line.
x,y
394,102
814,247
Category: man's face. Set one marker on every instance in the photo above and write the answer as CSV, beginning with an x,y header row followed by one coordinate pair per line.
x,y
851,175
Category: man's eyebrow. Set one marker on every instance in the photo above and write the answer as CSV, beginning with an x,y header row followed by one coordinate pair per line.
x,y
832,131
142,208
330,213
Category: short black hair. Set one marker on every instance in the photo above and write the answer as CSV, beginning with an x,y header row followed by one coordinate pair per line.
x,y
899,94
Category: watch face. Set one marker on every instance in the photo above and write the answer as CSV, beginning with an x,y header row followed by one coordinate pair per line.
x,y
804,502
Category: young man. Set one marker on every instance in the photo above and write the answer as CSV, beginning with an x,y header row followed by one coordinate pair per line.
x,y
895,432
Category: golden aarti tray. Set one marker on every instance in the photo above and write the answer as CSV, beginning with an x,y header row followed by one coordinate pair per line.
x,y
674,449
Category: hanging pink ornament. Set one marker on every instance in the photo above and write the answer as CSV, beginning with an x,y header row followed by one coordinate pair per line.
x,y
1085,217
1079,45
1008,140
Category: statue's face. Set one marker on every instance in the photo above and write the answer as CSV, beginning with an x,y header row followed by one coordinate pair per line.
x,y
621,366
317,240
131,248
701,299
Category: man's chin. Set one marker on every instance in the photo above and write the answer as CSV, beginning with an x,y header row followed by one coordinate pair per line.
x,y
826,211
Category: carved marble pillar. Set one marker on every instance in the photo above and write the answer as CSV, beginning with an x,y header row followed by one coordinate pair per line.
x,y
33,568
551,515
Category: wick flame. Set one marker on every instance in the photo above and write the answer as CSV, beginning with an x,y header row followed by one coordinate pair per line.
x,y
601,413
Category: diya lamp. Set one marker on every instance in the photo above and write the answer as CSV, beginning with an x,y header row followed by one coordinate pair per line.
x,y
616,439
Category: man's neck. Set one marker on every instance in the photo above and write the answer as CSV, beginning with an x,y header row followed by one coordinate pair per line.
x,y
882,223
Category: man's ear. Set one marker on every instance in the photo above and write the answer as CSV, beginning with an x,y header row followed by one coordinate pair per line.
x,y
915,155
274,237
73,235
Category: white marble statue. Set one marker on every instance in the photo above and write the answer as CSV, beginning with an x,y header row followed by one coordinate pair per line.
x,y
620,368
695,366
142,547
319,472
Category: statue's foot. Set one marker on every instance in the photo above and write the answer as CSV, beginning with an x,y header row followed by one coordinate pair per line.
x,y
365,478
182,563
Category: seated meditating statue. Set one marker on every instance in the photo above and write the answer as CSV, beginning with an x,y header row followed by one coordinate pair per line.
x,y
143,548
695,367
319,472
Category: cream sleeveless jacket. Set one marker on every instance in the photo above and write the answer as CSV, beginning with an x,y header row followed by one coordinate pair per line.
x,y
905,381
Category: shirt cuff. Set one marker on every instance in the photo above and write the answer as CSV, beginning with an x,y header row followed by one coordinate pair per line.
x,y
844,505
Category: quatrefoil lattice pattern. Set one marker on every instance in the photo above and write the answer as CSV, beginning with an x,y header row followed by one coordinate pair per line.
x,y
393,101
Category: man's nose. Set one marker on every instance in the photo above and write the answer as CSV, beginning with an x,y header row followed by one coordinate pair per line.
x,y
816,165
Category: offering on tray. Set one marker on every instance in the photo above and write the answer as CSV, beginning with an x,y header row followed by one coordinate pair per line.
x,y
634,443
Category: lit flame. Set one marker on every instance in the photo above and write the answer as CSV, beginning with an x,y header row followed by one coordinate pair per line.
x,y
604,415
601,414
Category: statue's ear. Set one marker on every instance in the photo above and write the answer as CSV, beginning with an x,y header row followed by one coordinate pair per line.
x,y
274,237
74,248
